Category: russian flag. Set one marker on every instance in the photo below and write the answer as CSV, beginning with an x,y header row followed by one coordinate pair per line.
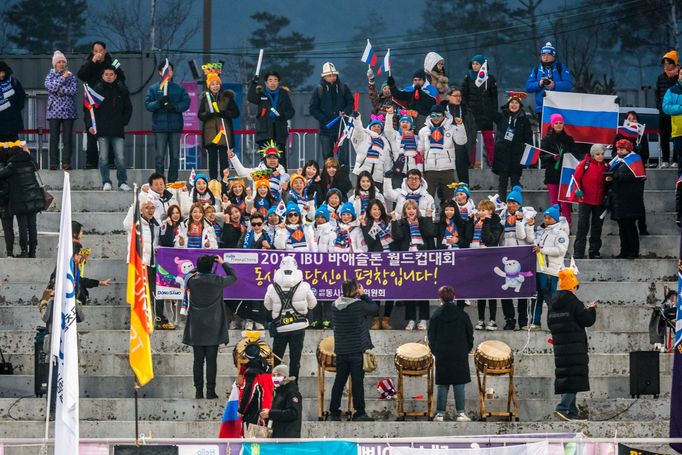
x,y
634,162
91,99
568,185
231,423
386,63
369,56
592,119
530,155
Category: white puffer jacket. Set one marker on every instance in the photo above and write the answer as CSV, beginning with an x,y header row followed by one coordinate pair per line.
x,y
553,244
150,235
207,235
357,242
521,235
362,140
396,138
161,202
287,276
325,235
441,160
399,196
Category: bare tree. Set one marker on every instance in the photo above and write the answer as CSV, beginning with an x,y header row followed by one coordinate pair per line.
x,y
528,15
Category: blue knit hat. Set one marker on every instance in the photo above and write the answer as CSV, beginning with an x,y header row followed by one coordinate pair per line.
x,y
553,212
348,207
292,207
461,188
407,118
548,49
480,58
200,176
273,211
515,195
323,211
334,190
376,122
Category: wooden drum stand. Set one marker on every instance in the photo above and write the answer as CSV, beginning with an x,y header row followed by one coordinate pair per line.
x,y
495,358
414,360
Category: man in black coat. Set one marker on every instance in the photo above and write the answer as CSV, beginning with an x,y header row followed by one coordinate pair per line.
x,y
350,318
567,320
12,100
287,405
207,325
415,96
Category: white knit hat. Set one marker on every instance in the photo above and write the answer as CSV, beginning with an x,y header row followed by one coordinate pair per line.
x,y
58,56
328,69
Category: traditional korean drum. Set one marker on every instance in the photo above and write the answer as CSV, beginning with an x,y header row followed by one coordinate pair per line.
x,y
326,358
494,355
413,357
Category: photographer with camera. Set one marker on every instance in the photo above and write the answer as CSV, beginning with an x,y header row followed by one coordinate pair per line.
x,y
548,75
207,324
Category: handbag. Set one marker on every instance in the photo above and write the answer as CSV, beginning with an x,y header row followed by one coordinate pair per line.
x,y
257,431
369,362
5,367
47,197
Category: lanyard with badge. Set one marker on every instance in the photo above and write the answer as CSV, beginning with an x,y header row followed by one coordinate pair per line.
x,y
511,128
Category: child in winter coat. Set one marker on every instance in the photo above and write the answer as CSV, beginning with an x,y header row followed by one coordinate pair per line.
x,y
325,233
518,229
482,100
348,233
263,200
486,233
589,175
414,233
196,232
365,191
558,143
298,196
372,148
233,228
414,188
462,197
551,245
293,234
273,171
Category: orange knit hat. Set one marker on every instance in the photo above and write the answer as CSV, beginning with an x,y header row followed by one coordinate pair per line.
x,y
567,280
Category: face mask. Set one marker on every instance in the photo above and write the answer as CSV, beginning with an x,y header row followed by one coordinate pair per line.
x,y
277,380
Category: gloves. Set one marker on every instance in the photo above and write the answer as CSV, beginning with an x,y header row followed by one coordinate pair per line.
x,y
370,75
390,81
355,114
579,193
170,106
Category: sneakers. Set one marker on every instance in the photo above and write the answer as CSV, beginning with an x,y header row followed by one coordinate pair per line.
x,y
534,328
421,325
462,417
467,302
165,326
124,187
438,417
568,418
362,418
258,326
480,325
410,325
106,186
510,324
664,165
248,325
491,326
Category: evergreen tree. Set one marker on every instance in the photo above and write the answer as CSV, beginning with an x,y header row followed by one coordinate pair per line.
x,y
41,26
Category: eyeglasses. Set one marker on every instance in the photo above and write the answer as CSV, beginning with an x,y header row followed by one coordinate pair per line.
x,y
436,115
256,224
292,214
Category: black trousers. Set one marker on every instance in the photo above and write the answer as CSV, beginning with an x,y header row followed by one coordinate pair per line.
x,y
411,310
462,163
28,231
8,229
502,183
208,354
509,313
664,133
388,308
295,342
322,312
629,237
67,139
588,220
348,365
492,309
216,154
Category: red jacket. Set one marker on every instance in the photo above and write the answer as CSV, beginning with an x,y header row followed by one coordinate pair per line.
x,y
590,177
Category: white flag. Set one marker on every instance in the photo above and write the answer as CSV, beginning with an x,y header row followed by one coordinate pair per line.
x,y
64,340
482,75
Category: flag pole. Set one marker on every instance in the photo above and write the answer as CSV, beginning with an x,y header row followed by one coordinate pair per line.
x,y
136,386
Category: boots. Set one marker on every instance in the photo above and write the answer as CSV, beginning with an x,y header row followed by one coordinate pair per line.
x,y
386,323
210,393
23,254
376,323
32,251
199,392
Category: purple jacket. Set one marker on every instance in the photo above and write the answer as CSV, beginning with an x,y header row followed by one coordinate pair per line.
x,y
61,101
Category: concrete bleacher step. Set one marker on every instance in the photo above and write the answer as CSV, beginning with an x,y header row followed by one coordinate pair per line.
x,y
657,428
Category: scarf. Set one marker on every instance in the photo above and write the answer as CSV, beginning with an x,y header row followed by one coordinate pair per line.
x,y
297,198
375,148
296,237
473,75
250,238
218,229
364,200
382,231
342,238
510,223
413,197
450,231
436,138
408,142
7,91
478,229
274,180
273,96
206,197
238,202
415,235
194,234
261,205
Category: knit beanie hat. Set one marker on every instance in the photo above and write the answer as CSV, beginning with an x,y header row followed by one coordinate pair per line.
x,y
57,57
282,370
548,49
273,210
292,207
480,58
296,177
329,69
556,118
202,177
348,207
514,95
671,55
438,109
323,211
419,74
460,188
567,279
515,195
212,77
553,212
625,144
407,118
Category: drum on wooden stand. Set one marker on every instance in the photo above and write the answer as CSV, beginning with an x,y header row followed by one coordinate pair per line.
x,y
495,358
414,359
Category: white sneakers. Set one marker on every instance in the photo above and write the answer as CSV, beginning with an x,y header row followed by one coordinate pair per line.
x,y
491,326
106,187
412,324
460,417
422,325
438,417
480,325
124,187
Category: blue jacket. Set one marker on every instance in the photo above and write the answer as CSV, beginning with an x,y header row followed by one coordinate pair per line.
x,y
326,103
167,119
672,105
563,82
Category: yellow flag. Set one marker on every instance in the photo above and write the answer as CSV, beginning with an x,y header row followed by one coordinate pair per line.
x,y
218,137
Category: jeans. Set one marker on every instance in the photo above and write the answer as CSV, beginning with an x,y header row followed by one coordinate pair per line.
x,y
210,355
522,310
629,237
348,364
553,190
170,142
546,287
8,229
411,310
588,219
442,397
67,140
116,145
567,406
502,183
295,342
492,309
217,154
28,232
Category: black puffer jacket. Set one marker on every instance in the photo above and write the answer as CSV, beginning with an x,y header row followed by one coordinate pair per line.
x,y
559,144
481,100
567,320
114,112
266,127
350,318
626,194
11,120
663,83
400,231
287,411
508,154
451,338
25,195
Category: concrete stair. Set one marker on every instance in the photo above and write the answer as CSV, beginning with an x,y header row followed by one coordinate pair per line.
x,y
626,291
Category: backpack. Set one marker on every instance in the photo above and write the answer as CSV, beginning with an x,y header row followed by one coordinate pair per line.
x,y
288,314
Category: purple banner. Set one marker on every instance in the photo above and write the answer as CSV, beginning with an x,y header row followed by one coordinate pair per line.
x,y
486,273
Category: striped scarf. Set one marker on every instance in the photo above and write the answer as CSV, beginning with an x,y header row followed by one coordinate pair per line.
x,y
413,197
275,183
375,148
342,238
478,229
218,229
7,90
364,200
450,231
510,223
296,237
436,138
408,142
383,233
415,235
